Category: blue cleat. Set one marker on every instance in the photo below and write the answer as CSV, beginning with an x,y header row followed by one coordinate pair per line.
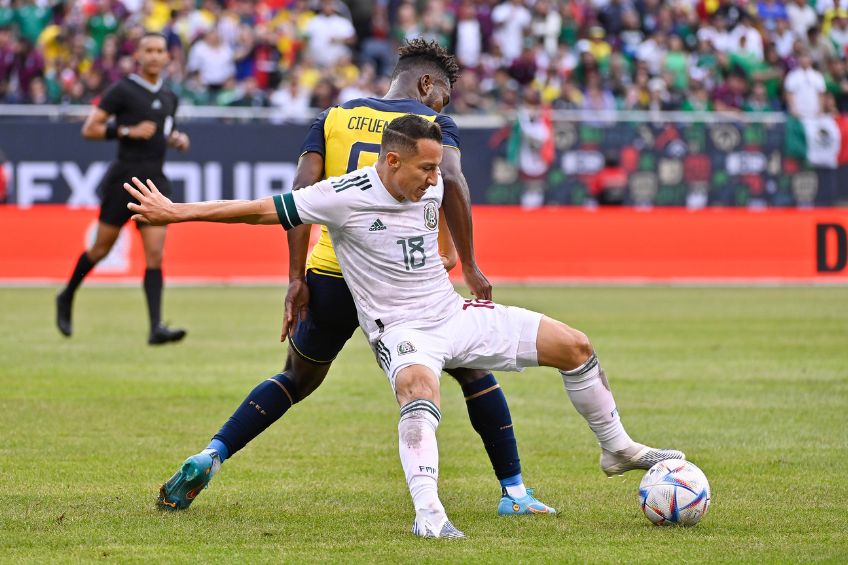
x,y
522,506
194,476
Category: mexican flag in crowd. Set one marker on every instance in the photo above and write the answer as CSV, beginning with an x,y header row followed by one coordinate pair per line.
x,y
821,141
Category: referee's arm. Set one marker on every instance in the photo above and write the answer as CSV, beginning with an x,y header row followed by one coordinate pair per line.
x,y
98,126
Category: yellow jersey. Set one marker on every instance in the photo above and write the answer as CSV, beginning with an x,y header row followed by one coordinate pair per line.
x,y
348,137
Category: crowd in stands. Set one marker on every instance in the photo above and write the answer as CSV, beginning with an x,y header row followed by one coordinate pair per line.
x,y
730,55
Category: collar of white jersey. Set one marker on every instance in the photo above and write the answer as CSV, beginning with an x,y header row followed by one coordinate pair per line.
x,y
154,88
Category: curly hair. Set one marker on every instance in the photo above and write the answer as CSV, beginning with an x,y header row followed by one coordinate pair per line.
x,y
419,52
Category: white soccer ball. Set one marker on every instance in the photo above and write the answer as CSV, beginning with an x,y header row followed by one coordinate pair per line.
x,y
674,493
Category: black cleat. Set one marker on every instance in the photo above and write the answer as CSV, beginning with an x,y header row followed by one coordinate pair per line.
x,y
63,315
163,334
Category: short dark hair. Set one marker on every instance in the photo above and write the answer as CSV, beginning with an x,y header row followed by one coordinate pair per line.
x,y
402,134
429,56
153,34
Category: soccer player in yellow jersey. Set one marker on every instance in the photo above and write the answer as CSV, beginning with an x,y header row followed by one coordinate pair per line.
x,y
320,314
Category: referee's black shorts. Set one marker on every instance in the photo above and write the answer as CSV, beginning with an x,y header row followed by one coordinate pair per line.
x,y
113,197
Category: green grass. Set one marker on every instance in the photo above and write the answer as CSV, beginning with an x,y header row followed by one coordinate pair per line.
x,y
751,383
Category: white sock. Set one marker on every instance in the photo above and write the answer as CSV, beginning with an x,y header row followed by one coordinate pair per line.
x,y
516,491
590,394
216,461
419,454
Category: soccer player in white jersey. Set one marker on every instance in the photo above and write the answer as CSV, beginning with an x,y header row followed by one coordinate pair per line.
x,y
415,321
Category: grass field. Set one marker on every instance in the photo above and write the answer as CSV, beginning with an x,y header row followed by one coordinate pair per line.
x,y
751,383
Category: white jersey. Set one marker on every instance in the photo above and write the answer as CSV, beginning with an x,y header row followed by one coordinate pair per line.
x,y
388,250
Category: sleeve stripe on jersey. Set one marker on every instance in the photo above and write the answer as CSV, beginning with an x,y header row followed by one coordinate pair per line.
x,y
363,183
281,212
291,209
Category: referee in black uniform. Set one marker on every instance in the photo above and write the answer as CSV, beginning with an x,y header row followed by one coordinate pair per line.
x,y
143,111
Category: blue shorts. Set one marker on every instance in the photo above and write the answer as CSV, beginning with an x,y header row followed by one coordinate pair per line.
x,y
330,322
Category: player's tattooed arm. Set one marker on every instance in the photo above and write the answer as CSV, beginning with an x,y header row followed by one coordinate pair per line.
x,y
156,209
457,208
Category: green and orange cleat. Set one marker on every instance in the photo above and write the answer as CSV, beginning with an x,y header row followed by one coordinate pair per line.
x,y
192,477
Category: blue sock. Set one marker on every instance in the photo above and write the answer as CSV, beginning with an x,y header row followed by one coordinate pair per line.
x,y
221,448
263,406
489,414
512,481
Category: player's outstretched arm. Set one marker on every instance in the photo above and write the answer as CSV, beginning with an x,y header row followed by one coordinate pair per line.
x,y
156,209
457,207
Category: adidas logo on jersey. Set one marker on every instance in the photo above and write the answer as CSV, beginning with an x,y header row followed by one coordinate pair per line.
x,y
377,226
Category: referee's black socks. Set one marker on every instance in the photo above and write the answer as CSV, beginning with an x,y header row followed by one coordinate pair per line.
x,y
153,293
81,269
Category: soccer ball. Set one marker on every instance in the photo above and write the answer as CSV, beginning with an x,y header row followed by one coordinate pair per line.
x,y
674,493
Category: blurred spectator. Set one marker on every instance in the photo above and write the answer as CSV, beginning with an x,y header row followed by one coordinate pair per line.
x,y
759,100
533,136
698,97
820,47
468,39
804,87
770,12
28,64
511,19
783,37
801,17
545,25
836,82
108,64
212,60
597,98
730,96
523,67
291,100
32,17
839,33
609,186
746,39
330,35
249,94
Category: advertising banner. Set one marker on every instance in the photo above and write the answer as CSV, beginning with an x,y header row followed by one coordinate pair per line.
x,y
664,245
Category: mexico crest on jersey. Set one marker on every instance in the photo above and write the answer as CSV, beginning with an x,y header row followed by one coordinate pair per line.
x,y
431,216
405,347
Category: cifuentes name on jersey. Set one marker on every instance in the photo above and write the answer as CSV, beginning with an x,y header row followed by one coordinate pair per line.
x,y
388,250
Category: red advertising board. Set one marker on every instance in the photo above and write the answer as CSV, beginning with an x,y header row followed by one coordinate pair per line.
x,y
40,244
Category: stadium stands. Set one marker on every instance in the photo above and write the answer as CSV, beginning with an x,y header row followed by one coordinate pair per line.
x,y
571,54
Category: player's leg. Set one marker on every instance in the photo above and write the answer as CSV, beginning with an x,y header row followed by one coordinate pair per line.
x,y
490,417
153,241
105,238
417,393
570,351
315,342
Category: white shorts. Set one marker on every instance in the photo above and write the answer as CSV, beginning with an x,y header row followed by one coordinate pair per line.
x,y
479,335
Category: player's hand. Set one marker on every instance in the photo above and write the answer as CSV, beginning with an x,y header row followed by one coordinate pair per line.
x,y
296,306
153,207
477,282
142,130
179,141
